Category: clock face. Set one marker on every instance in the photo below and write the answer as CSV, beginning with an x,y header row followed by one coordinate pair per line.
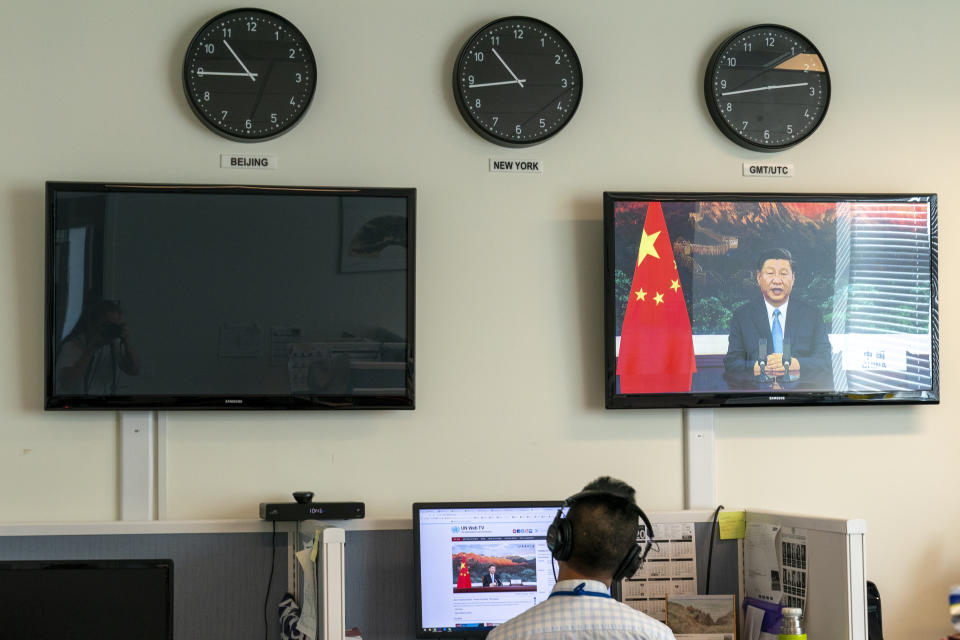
x,y
517,81
249,74
767,88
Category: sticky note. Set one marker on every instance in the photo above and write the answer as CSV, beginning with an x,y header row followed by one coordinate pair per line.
x,y
733,524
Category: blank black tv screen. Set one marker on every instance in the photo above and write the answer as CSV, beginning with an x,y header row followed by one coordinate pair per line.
x,y
717,299
87,600
192,296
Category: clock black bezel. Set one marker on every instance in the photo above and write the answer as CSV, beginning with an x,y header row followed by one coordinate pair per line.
x,y
302,41
722,124
478,128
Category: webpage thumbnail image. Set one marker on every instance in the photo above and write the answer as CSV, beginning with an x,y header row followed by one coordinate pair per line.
x,y
493,565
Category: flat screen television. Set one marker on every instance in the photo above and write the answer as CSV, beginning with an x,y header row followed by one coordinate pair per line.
x,y
86,600
742,299
229,297
455,546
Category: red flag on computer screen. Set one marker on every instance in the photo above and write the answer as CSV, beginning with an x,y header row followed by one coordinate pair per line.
x,y
656,342
463,578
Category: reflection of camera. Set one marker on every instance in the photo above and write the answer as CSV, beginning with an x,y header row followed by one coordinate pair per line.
x,y
110,331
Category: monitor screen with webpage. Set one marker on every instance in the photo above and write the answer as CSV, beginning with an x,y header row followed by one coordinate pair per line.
x,y
480,564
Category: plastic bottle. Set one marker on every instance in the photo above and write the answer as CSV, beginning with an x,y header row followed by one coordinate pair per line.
x,y
790,628
955,606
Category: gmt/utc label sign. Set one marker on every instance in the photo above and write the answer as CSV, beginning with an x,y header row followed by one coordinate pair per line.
x,y
768,170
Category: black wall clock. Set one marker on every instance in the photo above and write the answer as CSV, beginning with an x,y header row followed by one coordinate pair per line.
x,y
767,88
249,74
517,81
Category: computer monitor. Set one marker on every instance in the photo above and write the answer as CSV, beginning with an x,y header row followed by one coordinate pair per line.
x,y
455,546
86,599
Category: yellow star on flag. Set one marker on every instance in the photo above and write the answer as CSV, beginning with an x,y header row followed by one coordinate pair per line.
x,y
641,295
658,298
675,284
646,247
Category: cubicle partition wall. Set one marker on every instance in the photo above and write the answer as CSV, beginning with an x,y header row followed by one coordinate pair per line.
x,y
832,568
381,574
221,568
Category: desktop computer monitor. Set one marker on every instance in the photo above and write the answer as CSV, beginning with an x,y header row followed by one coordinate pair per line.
x,y
86,599
478,564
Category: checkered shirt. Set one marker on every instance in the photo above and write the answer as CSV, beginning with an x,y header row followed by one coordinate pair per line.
x,y
581,617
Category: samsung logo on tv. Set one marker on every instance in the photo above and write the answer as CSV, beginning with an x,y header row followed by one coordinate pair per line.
x,y
777,398
233,401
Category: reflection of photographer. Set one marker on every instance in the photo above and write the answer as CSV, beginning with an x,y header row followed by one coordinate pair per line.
x,y
96,351
329,373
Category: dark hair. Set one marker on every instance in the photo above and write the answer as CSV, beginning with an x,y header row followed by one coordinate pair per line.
x,y
604,526
775,254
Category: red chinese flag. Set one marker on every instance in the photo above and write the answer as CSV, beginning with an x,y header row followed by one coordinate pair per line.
x,y
656,342
463,578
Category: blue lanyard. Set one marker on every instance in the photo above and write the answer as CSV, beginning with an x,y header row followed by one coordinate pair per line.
x,y
580,590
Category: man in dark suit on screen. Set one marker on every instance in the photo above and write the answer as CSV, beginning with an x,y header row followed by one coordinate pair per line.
x,y
775,339
492,579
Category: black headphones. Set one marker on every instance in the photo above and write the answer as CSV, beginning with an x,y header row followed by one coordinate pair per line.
x,y
560,534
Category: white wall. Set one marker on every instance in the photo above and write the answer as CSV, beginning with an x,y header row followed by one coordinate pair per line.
x,y
509,351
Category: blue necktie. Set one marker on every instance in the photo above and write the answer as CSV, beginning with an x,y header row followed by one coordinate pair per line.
x,y
777,332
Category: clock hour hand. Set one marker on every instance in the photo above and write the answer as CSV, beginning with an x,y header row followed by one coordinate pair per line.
x,y
766,88
496,84
515,78
767,67
252,76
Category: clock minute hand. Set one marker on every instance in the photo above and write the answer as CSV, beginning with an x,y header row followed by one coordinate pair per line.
x,y
222,73
496,84
252,76
515,78
766,88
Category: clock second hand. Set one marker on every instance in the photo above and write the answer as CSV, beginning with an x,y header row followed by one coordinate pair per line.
x,y
546,104
766,88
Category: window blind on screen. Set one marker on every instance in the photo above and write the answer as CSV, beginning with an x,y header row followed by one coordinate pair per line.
x,y
884,269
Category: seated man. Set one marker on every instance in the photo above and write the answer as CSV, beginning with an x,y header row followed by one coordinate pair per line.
x,y
779,323
603,531
491,578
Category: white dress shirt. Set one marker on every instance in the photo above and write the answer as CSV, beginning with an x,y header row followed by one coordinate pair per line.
x,y
581,617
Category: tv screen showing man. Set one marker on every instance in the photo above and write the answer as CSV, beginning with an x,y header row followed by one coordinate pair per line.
x,y
763,347
730,297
